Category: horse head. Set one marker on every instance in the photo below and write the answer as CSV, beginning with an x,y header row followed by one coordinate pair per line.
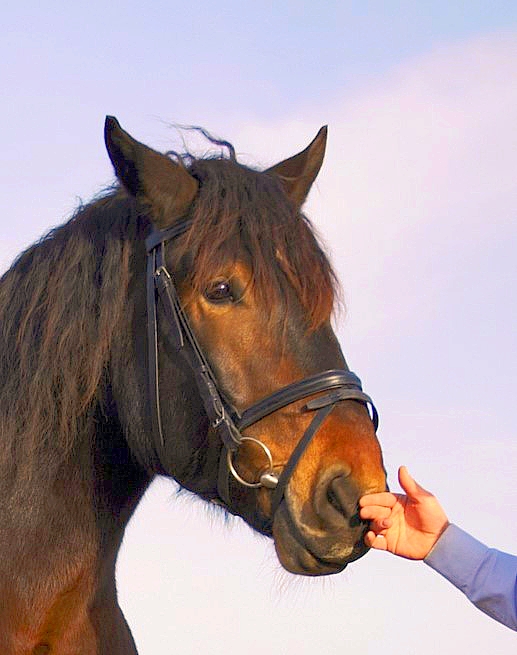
x,y
239,286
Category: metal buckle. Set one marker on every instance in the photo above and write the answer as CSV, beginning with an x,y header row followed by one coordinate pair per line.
x,y
221,418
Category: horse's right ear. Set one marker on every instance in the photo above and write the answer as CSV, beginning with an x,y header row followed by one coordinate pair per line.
x,y
165,187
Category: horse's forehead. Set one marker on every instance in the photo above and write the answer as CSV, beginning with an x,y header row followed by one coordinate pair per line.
x,y
233,179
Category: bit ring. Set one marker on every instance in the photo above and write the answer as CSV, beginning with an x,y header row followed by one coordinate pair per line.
x,y
269,473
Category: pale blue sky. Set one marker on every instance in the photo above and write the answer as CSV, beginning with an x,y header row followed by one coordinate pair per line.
x,y
417,202
265,58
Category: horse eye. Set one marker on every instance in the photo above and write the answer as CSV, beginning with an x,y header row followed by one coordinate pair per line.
x,y
219,292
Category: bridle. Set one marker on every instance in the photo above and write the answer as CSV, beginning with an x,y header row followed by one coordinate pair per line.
x,y
229,424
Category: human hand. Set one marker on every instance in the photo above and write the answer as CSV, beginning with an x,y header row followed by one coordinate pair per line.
x,y
405,525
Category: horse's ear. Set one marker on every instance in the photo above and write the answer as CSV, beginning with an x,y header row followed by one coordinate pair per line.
x,y
299,172
154,179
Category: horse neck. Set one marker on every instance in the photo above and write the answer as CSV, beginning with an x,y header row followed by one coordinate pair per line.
x,y
59,541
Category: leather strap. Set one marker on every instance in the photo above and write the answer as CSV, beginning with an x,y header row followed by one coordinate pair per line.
x,y
292,462
157,237
184,340
152,345
345,383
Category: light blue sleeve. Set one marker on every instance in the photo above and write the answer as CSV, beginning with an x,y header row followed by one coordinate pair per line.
x,y
486,576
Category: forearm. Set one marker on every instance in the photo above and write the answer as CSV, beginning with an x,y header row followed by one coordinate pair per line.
x,y
486,576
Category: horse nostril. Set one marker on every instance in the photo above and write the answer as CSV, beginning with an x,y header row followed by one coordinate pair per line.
x,y
345,495
336,498
333,499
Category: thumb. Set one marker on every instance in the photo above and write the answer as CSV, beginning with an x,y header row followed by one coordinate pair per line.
x,y
410,486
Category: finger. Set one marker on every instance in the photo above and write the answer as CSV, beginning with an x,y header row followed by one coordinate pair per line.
x,y
384,499
380,526
376,541
374,512
411,486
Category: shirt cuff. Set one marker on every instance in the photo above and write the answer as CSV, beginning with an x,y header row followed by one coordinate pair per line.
x,y
456,555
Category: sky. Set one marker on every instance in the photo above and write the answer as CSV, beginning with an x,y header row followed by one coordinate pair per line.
x,y
417,204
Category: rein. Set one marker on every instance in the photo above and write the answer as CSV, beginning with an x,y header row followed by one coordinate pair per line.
x,y
223,417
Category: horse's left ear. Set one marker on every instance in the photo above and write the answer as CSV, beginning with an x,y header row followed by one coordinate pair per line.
x,y
299,172
165,187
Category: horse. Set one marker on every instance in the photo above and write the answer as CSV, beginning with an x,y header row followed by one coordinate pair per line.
x,y
179,325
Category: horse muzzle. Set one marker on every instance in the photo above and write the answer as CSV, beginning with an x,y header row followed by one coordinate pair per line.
x,y
322,535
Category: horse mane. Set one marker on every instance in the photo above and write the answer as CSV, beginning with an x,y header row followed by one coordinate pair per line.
x,y
63,300
60,304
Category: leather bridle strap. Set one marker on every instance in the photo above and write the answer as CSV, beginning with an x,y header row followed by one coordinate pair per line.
x,y
154,244
342,385
301,446
159,281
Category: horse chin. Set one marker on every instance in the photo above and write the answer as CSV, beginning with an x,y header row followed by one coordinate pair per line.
x,y
312,557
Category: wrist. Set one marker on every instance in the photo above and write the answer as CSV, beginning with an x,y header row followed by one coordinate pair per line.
x,y
437,536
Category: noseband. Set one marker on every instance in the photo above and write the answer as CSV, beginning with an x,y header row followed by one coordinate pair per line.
x,y
339,385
